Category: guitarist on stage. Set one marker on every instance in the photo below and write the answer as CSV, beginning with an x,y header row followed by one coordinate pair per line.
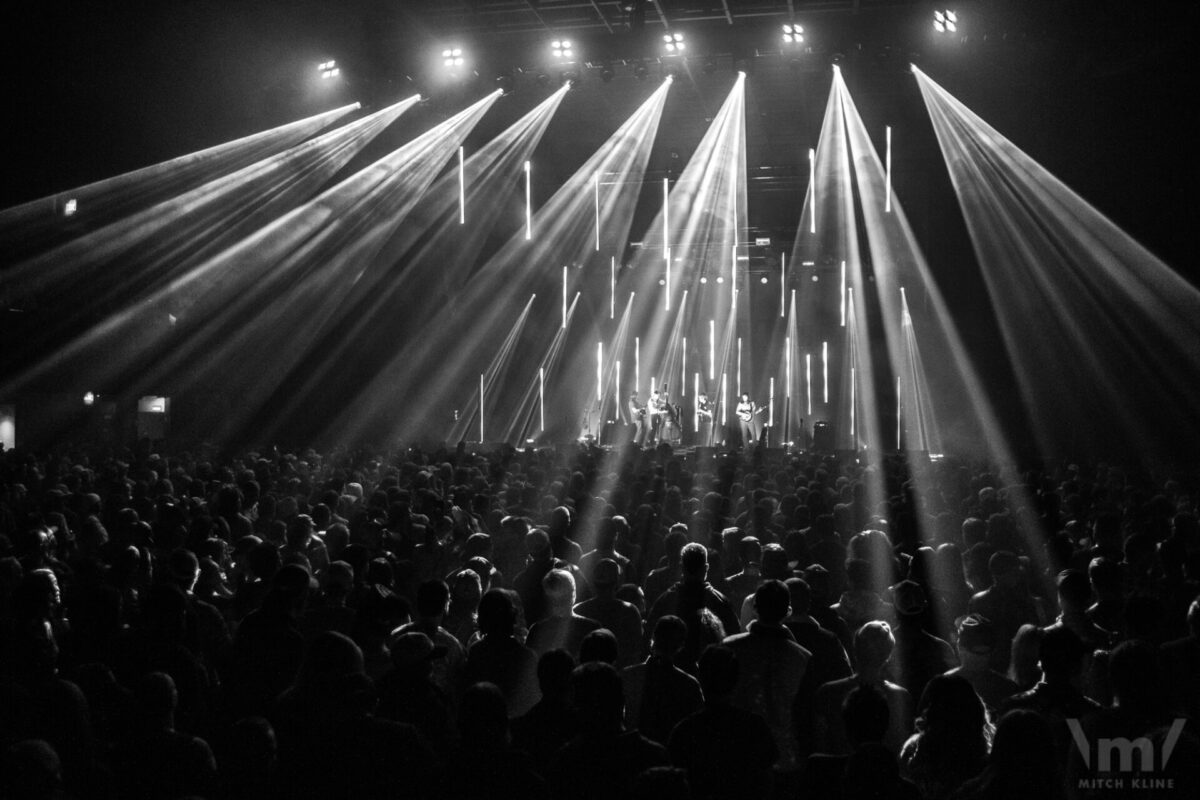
x,y
747,414
637,416
704,420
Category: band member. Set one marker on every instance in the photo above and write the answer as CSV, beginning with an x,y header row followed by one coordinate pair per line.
x,y
747,414
655,411
704,418
637,416
671,431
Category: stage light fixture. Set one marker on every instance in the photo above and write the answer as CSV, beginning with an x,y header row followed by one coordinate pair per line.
x,y
673,42
561,48
945,21
640,70
453,57
720,279
70,207
704,279
607,73
763,279
793,34
329,69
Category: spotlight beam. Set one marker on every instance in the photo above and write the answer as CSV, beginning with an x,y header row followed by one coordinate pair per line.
x,y
565,235
30,227
1111,321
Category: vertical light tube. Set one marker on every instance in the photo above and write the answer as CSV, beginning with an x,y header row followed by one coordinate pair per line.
x,y
898,419
462,188
787,360
564,300
887,201
782,283
733,268
600,372
712,349
666,216
617,390
481,408
812,187
666,233
853,399
825,369
808,380
724,399
652,379
683,371
696,406
596,194
637,364
542,398
668,292
771,405
528,202
612,289
739,368
843,294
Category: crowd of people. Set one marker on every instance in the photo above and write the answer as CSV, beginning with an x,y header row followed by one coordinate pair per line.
x,y
579,623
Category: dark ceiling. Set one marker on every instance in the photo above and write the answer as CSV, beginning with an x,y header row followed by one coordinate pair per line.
x,y
1094,89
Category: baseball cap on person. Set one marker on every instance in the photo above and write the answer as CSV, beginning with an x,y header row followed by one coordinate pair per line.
x,y
414,647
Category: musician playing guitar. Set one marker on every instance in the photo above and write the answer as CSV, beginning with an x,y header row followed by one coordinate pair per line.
x,y
747,414
637,416
704,418
656,410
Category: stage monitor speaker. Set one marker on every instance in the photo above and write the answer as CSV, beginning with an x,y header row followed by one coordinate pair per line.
x,y
822,437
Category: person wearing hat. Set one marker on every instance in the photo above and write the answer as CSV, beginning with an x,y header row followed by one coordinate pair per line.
x,y
622,618
920,656
976,640
408,693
